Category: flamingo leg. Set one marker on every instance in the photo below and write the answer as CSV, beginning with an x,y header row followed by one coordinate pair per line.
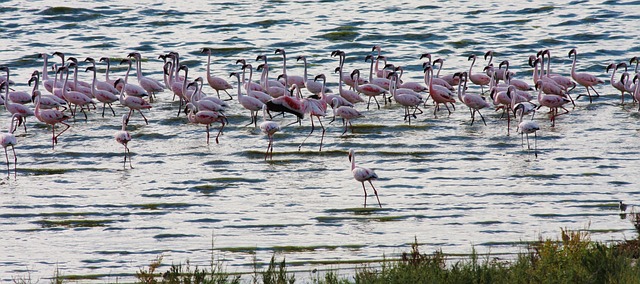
x,y
230,97
305,139
207,127
15,162
322,136
375,192
113,111
220,132
145,118
365,194
7,157
535,144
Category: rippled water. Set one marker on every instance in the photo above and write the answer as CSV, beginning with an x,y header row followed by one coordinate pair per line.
x,y
443,182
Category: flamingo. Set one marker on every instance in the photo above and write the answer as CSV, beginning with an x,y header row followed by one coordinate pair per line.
x,y
382,82
519,84
351,96
563,81
346,113
550,87
20,111
105,97
217,83
414,86
312,86
150,85
51,117
439,94
46,101
272,88
260,95
19,97
527,127
204,102
287,103
250,103
132,89
500,74
584,79
370,90
47,82
102,85
74,97
269,128
291,79
380,73
478,79
315,108
475,102
106,72
328,98
449,78
206,117
553,102
406,100
619,85
123,137
132,102
9,140
346,78
363,174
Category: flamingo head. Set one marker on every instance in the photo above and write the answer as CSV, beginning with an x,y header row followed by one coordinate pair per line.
x,y
205,50
300,57
234,74
260,67
390,66
572,52
73,59
106,59
90,68
337,69
633,59
241,61
118,82
354,73
504,62
439,60
426,65
620,65
279,51
320,76
90,59
125,61
368,57
351,152
471,57
33,78
427,55
487,54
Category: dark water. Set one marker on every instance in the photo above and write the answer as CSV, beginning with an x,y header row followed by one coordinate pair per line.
x,y
443,182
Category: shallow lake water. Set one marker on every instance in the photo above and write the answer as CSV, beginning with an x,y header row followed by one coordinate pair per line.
x,y
442,182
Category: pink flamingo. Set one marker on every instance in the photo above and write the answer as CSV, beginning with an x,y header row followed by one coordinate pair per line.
x,y
151,86
217,83
315,108
619,85
553,102
132,102
351,96
51,117
311,85
584,79
328,98
269,128
123,137
74,97
363,174
500,74
47,82
292,79
478,79
132,89
449,78
439,94
106,72
9,140
105,97
272,88
346,113
206,117
370,90
46,101
20,111
346,78
406,100
474,101
250,103
563,81
102,85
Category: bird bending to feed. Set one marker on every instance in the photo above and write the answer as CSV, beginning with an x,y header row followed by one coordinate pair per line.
x,y
362,175
123,137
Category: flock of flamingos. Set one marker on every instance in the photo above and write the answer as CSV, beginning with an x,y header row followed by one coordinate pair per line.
x,y
67,96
